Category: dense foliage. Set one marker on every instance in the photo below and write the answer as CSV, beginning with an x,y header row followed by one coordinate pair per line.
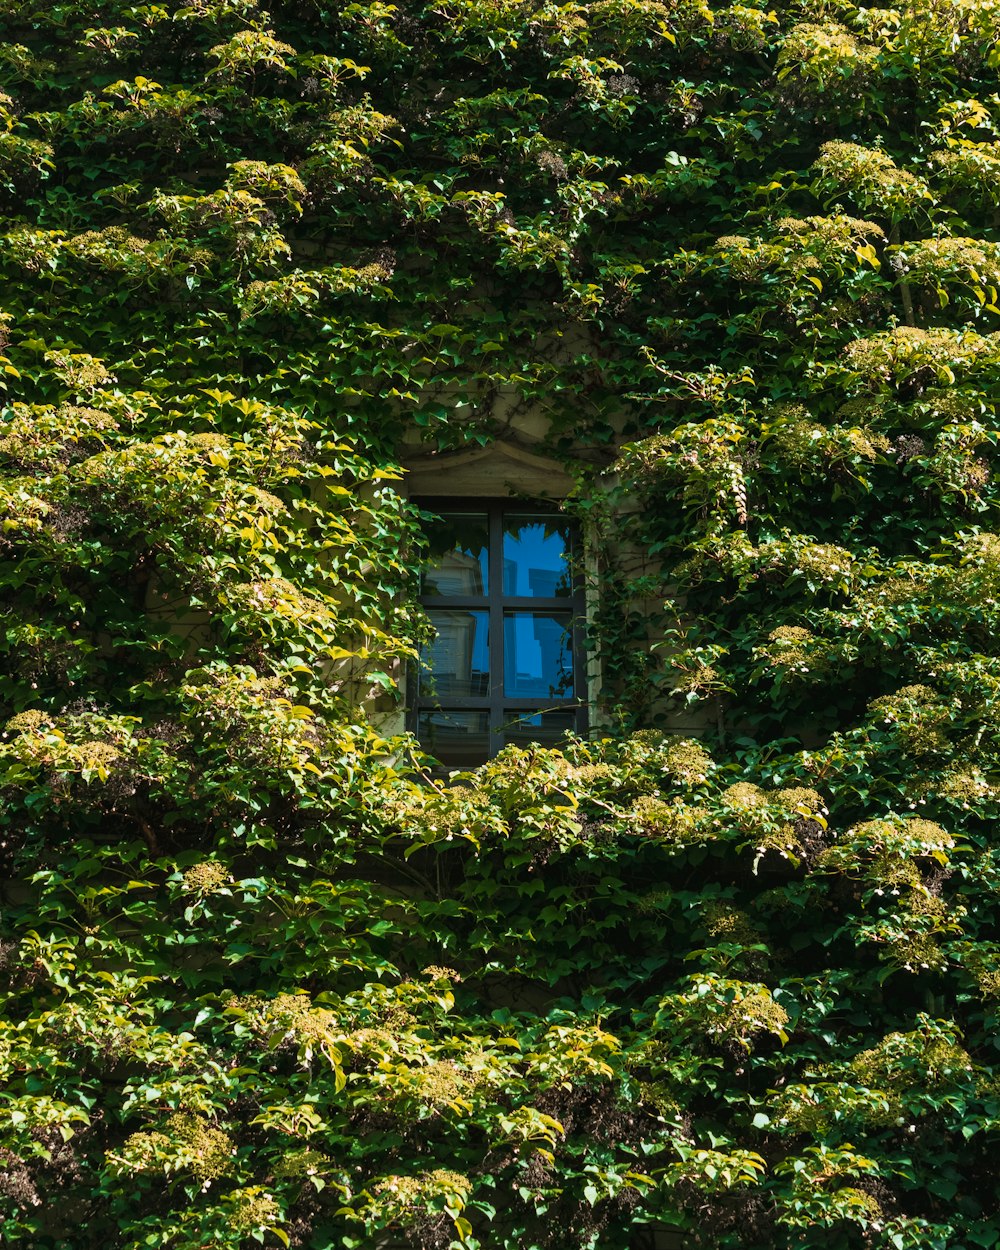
x,y
266,980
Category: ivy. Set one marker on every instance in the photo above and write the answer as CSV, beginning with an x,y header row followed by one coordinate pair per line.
x,y
266,978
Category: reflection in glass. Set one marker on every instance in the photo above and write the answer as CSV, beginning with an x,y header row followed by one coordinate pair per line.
x,y
537,655
546,728
536,552
457,660
458,562
458,738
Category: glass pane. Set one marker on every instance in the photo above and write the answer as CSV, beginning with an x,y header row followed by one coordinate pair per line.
x,y
537,655
536,552
457,662
459,738
547,728
457,561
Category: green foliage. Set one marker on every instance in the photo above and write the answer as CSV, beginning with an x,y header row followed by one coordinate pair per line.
x,y
266,979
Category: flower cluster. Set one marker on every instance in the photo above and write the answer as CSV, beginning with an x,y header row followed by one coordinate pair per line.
x,y
796,652
806,445
893,356
889,853
434,1087
187,1142
972,169
703,458
428,815
744,1011
79,371
253,1210
930,1056
44,439
404,1199
289,1017
829,236
918,716
937,262
654,817
824,1106
206,878
680,760
730,924
827,58
871,177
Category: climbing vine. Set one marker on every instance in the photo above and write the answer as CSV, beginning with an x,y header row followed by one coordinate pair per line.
x,y
266,978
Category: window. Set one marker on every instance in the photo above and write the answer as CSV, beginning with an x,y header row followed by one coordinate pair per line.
x,y
503,593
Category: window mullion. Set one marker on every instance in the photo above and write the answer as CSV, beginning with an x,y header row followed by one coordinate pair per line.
x,y
496,626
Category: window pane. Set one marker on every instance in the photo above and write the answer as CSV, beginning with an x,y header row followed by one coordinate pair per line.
x,y
537,655
457,662
536,552
547,728
459,738
457,561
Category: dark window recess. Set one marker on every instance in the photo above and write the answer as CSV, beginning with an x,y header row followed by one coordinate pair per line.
x,y
503,591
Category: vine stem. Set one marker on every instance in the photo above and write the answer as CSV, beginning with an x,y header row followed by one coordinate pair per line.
x,y
904,287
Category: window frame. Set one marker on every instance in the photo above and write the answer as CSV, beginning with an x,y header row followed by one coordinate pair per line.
x,y
497,606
